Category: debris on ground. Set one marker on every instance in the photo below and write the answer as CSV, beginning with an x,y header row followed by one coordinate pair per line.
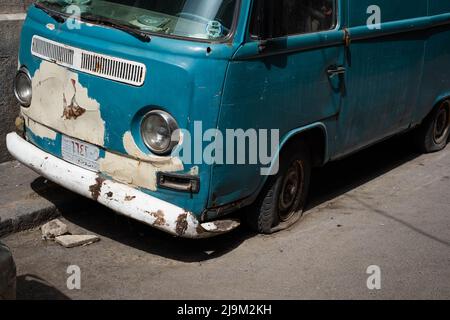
x,y
71,241
53,229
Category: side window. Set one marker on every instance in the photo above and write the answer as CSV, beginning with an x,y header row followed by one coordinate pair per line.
x,y
279,18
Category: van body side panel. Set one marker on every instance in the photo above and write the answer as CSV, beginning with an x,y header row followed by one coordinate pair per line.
x,y
383,74
436,79
182,79
284,88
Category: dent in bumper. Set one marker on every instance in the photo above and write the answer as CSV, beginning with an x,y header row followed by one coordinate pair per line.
x,y
119,197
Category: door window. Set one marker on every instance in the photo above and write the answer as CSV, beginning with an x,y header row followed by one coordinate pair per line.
x,y
291,17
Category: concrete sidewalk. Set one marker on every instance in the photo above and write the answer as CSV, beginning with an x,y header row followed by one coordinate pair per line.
x,y
28,200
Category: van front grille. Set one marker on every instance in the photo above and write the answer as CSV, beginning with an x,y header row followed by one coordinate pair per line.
x,y
104,66
112,68
52,51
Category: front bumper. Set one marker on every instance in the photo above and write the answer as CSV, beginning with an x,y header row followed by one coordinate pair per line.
x,y
123,199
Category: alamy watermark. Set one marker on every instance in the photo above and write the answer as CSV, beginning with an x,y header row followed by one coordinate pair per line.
x,y
74,20
374,279
374,19
74,280
230,147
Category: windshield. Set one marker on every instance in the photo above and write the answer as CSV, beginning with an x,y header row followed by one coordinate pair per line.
x,y
199,19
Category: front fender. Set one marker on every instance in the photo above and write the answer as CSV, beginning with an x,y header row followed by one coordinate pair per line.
x,y
239,185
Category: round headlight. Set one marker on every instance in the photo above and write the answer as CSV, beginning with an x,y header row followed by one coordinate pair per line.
x,y
157,130
22,87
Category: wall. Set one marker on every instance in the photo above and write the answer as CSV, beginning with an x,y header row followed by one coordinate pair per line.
x,y
11,19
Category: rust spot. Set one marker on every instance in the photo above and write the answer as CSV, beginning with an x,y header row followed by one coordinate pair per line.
x,y
182,224
73,110
98,66
96,188
129,198
199,229
20,126
160,220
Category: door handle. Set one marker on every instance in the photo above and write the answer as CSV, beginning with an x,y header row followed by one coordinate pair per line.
x,y
333,71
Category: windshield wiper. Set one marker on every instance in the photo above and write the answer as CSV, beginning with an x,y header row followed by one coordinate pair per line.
x,y
134,31
60,18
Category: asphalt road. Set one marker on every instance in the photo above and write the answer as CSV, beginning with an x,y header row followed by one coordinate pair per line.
x,y
386,206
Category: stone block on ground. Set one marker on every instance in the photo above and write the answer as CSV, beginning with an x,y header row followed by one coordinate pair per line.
x,y
53,229
71,241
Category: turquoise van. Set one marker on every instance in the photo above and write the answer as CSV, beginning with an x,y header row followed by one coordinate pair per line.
x,y
113,93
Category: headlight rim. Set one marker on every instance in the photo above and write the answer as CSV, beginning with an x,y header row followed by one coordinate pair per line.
x,y
172,125
26,72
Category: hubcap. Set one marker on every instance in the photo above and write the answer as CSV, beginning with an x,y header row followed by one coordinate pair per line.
x,y
290,191
441,126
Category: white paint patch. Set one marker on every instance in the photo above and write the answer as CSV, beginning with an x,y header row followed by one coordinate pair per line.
x,y
194,171
41,131
141,170
133,150
53,88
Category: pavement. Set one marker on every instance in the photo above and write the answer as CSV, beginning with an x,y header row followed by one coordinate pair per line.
x,y
386,207
28,200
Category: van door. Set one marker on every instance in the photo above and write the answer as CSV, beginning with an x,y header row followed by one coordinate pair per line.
x,y
384,70
285,80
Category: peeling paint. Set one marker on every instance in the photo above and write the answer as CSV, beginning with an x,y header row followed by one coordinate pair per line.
x,y
160,219
194,171
52,85
61,103
140,170
144,207
133,150
132,171
182,224
41,131
96,188
72,110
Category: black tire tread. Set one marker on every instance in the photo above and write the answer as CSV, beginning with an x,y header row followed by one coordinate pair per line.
x,y
424,139
261,216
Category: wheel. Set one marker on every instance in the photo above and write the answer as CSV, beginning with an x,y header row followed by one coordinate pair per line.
x,y
280,203
433,134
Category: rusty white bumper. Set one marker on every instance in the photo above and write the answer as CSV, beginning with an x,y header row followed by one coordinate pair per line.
x,y
119,197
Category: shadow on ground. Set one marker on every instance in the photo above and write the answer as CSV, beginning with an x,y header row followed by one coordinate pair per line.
x,y
340,177
328,182
31,287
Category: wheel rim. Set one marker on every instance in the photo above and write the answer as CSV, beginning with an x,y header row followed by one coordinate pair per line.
x,y
290,191
441,125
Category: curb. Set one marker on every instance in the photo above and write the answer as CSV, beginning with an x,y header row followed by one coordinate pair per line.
x,y
28,221
28,200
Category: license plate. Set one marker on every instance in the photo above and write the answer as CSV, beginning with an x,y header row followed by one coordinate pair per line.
x,y
80,153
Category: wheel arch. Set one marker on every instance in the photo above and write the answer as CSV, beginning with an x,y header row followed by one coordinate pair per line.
x,y
437,101
315,135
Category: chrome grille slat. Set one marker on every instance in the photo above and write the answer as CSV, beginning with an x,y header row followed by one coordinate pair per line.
x,y
52,51
101,65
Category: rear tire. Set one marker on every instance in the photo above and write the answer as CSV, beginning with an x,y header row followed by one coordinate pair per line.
x,y
280,203
433,133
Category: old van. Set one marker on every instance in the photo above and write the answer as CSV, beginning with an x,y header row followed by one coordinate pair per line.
x,y
113,93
